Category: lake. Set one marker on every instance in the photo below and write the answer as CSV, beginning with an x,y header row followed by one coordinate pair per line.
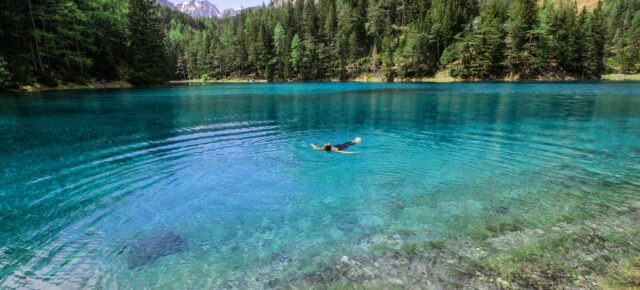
x,y
218,186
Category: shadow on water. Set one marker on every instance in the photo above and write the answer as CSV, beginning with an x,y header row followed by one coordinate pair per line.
x,y
148,249
397,91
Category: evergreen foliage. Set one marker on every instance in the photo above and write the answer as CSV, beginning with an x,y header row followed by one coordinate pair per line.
x,y
148,62
54,41
5,76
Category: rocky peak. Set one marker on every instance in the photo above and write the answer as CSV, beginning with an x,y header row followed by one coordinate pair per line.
x,y
199,9
230,12
167,3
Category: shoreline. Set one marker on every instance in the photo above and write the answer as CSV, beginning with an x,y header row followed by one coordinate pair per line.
x,y
37,87
440,77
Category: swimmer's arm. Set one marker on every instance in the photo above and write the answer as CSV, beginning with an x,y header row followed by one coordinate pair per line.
x,y
316,147
346,152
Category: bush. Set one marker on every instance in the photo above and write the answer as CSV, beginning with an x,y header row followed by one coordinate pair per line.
x,y
47,80
5,75
205,77
143,78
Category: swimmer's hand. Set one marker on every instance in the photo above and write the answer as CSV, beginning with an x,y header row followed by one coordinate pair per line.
x,y
316,147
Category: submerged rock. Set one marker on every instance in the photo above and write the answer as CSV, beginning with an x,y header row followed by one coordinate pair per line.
x,y
149,249
498,209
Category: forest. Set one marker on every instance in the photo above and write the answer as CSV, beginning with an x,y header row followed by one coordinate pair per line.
x,y
54,42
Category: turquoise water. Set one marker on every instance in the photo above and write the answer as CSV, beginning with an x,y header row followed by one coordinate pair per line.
x,y
88,176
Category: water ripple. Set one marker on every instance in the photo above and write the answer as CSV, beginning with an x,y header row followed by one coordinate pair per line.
x,y
232,173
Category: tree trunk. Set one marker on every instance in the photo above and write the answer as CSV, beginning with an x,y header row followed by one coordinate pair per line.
x,y
35,39
33,56
374,54
46,50
79,56
438,47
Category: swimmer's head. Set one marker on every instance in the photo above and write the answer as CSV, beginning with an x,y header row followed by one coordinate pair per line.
x,y
327,146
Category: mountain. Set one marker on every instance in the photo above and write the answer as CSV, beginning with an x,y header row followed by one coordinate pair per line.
x,y
199,9
230,12
282,2
167,3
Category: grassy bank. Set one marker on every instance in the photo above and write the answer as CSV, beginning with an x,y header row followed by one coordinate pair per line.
x,y
221,81
37,87
621,77
440,77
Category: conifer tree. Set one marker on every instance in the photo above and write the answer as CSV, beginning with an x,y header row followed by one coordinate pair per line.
x,y
595,51
279,43
147,52
5,76
480,51
525,41
296,56
53,41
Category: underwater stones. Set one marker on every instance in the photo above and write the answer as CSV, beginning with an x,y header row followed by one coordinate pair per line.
x,y
345,222
545,276
500,209
353,270
148,249
504,227
280,258
502,283
635,279
356,270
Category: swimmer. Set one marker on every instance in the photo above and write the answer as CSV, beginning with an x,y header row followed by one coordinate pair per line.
x,y
338,148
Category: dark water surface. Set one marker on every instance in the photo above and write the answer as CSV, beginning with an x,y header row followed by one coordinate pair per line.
x,y
217,186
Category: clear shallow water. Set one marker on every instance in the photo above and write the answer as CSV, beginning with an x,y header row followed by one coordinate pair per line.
x,y
86,176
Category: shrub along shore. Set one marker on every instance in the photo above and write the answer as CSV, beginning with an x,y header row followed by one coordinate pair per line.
x,y
440,77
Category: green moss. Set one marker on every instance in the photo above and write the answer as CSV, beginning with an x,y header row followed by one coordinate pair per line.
x,y
625,274
436,245
561,260
420,248
504,227
491,227
579,250
347,285
405,233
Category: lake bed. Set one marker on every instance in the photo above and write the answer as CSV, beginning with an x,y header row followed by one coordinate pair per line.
x,y
466,184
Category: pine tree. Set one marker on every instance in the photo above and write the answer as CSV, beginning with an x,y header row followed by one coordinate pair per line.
x,y
296,56
181,68
147,54
5,76
413,57
525,41
595,51
279,38
375,25
52,41
481,50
